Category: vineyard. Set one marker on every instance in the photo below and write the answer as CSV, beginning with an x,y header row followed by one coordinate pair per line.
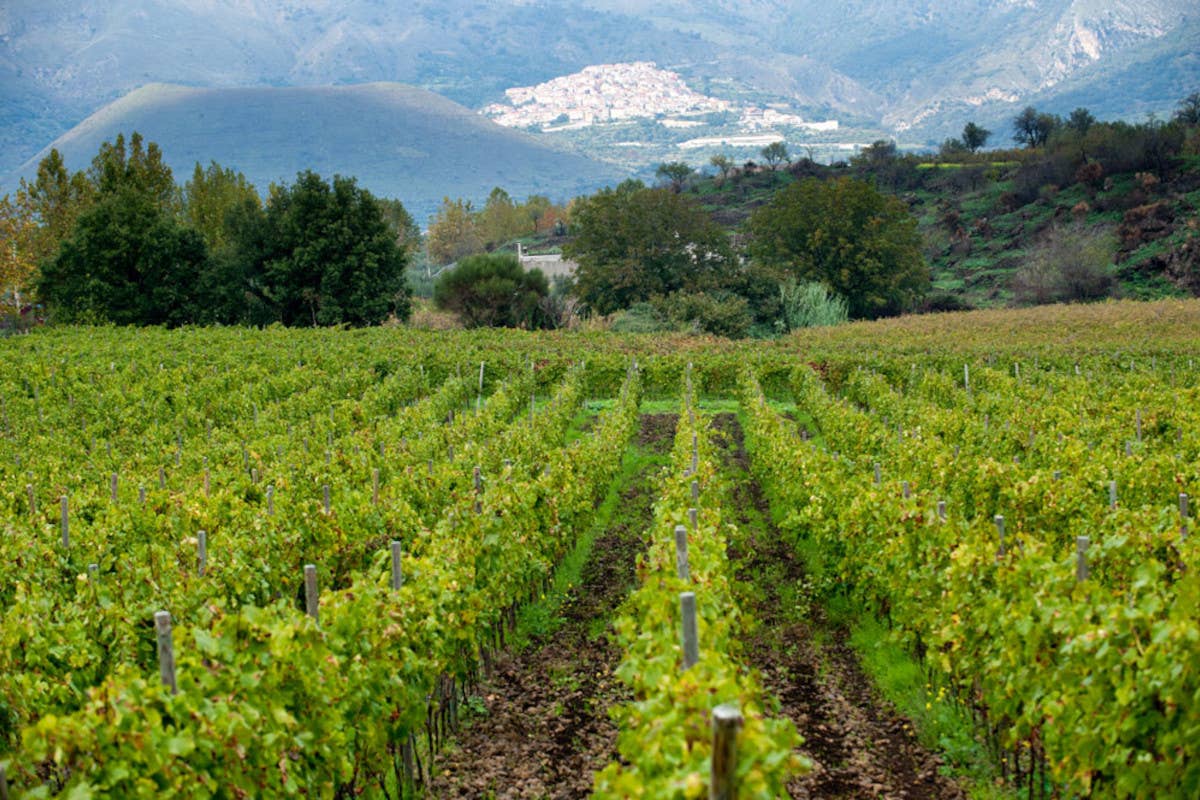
x,y
240,563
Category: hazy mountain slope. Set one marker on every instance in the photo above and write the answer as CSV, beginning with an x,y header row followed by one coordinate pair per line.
x,y
921,66
399,141
79,55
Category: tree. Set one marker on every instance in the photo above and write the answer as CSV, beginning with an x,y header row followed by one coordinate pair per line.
x,y
880,153
325,256
1033,129
128,262
501,219
402,225
974,136
1188,110
861,244
723,163
18,268
634,244
53,202
1080,121
952,149
675,173
453,232
774,154
210,195
492,290
535,208
138,168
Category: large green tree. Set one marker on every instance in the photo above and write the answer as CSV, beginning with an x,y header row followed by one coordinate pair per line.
x,y
633,243
860,243
501,219
775,154
53,202
493,290
325,256
209,197
127,261
137,167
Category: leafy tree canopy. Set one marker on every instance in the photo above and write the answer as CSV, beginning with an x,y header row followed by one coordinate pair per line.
x,y
492,290
775,154
128,262
327,257
860,243
634,243
974,136
675,174
209,197
1032,128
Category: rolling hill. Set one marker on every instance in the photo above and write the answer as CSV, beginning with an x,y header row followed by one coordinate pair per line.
x,y
399,141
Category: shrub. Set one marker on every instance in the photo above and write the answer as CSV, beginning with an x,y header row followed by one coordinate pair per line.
x,y
641,318
721,313
492,290
1071,264
810,305
944,301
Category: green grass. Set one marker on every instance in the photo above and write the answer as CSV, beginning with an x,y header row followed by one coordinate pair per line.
x,y
937,721
542,618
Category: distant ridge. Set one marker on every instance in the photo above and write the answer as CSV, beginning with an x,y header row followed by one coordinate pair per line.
x,y
398,140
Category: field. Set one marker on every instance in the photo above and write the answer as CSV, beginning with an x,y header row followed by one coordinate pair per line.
x,y
934,556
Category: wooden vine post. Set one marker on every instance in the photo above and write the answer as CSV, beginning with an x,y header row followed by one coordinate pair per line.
x,y
727,721
312,598
166,650
1183,515
66,523
691,640
681,552
397,572
1081,563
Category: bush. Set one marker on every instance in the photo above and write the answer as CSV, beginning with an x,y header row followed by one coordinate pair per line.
x,y
810,305
641,318
720,313
944,301
492,290
1071,264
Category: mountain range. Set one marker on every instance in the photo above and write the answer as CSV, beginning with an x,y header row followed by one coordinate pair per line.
x,y
919,68
400,141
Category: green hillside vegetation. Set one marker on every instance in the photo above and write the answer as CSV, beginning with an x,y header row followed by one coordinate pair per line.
x,y
1086,210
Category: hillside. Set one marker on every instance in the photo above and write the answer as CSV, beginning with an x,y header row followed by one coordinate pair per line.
x,y
981,221
399,141
918,68
978,233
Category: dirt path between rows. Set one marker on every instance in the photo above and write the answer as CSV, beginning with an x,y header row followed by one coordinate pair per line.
x,y
860,746
546,729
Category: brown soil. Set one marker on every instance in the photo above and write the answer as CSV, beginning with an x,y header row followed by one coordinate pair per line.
x,y
861,747
547,729
657,432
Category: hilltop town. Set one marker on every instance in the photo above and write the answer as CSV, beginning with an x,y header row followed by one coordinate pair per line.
x,y
606,93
